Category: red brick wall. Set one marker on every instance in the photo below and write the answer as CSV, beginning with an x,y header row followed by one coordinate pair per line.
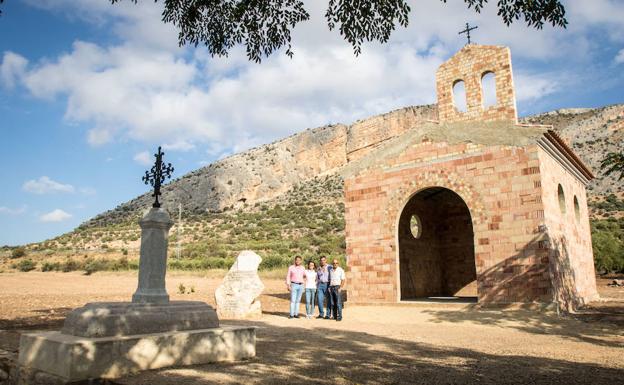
x,y
572,262
502,189
469,65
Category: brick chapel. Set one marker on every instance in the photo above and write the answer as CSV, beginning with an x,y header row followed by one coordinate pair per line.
x,y
471,205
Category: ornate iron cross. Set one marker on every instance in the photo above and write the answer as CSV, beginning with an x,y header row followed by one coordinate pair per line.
x,y
157,175
467,31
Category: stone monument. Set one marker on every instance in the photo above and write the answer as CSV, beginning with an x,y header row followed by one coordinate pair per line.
x,y
113,339
237,297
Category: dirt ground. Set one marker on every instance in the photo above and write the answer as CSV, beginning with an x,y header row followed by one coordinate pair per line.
x,y
400,344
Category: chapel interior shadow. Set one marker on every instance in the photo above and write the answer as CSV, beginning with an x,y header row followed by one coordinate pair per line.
x,y
436,248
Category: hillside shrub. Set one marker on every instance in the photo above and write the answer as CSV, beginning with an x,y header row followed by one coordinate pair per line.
x,y
608,245
275,262
18,252
51,266
70,265
26,265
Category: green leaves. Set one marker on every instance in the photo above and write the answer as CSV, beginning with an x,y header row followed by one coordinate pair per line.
x,y
613,163
608,245
535,12
264,26
366,20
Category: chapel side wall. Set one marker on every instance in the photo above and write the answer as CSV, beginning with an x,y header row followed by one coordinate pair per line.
x,y
572,260
501,187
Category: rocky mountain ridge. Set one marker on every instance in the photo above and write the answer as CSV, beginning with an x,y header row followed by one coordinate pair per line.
x,y
266,172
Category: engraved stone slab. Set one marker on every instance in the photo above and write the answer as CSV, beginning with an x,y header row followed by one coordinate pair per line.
x,y
237,297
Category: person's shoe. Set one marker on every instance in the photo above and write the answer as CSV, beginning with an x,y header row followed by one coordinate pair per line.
x,y
296,316
339,319
320,317
326,317
290,317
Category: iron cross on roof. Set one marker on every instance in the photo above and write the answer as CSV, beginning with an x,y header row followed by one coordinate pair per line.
x,y
157,175
467,31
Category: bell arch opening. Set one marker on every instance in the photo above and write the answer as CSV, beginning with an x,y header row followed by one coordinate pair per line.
x,y
439,263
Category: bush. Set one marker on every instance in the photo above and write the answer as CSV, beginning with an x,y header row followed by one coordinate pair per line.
x,y
51,266
608,245
275,262
93,265
70,265
26,265
18,252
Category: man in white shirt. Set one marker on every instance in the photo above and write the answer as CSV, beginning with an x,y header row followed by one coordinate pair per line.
x,y
337,280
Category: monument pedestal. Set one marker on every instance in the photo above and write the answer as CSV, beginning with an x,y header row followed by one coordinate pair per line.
x,y
114,339
109,319
73,358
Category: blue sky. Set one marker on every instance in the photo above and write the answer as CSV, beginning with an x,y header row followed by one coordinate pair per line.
x,y
89,90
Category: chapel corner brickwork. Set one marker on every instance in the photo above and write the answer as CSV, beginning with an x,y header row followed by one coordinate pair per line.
x,y
503,223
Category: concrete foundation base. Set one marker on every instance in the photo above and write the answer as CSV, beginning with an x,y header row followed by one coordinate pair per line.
x,y
73,358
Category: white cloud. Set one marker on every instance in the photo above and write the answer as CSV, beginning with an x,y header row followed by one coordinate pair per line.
x,y
56,215
12,69
143,158
13,211
144,88
532,86
45,185
619,58
180,145
607,14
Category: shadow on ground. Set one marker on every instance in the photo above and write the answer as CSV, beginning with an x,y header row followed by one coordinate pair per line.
x,y
596,331
291,355
41,319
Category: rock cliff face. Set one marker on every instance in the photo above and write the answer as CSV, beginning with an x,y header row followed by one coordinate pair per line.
x,y
266,172
592,133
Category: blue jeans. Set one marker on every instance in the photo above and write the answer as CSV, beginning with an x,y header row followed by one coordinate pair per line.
x,y
310,293
336,296
296,291
321,293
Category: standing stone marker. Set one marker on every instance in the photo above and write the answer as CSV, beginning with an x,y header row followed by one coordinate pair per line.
x,y
154,229
113,339
237,297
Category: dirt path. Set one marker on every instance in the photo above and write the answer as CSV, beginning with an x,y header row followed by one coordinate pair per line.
x,y
388,345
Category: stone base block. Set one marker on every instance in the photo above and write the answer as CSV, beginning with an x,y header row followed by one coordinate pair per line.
x,y
73,358
108,319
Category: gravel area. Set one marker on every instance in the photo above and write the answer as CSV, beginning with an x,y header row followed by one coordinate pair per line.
x,y
413,344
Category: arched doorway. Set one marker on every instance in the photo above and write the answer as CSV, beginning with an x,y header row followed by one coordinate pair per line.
x,y
436,247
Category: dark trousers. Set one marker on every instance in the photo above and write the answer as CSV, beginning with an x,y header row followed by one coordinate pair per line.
x,y
336,301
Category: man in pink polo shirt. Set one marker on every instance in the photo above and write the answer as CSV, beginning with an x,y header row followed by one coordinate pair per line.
x,y
294,282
